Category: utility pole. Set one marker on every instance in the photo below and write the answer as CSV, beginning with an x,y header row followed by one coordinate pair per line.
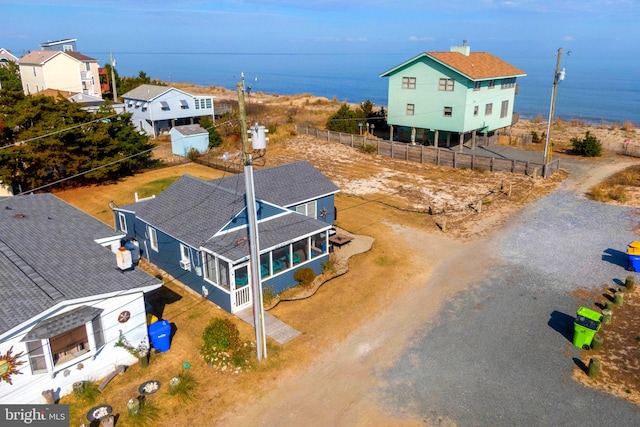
x,y
559,75
113,77
252,216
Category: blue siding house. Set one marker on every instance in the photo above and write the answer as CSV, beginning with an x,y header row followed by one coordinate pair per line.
x,y
197,231
157,109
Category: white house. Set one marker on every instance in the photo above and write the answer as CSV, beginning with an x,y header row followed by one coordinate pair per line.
x,y
65,298
157,109
6,56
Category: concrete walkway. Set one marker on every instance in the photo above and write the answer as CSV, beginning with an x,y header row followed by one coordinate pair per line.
x,y
275,328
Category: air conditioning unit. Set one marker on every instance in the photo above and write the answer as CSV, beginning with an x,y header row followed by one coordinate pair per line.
x,y
185,264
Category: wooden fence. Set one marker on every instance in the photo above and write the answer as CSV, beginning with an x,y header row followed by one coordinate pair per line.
x,y
433,155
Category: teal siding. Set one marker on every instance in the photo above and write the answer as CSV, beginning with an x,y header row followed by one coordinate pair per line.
x,y
429,102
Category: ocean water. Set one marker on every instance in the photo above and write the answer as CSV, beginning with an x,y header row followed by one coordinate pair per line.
x,y
607,90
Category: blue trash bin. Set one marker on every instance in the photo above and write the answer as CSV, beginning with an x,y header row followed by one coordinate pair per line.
x,y
160,335
634,263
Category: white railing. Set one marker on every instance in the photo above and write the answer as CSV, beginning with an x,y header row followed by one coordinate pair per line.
x,y
242,297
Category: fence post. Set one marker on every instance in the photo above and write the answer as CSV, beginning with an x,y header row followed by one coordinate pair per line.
x,y
491,167
392,149
513,165
473,161
378,147
455,157
421,154
406,154
437,157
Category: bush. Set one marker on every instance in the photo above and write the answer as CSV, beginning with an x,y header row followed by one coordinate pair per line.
x,y
304,276
590,146
193,154
369,149
222,344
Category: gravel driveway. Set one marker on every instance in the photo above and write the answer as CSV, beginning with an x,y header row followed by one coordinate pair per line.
x,y
501,353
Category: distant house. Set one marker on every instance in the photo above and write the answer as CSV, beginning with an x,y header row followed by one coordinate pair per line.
x,y
186,137
65,297
6,56
66,71
157,109
64,45
196,230
451,95
88,102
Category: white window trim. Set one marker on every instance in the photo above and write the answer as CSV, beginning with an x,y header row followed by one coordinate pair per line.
x,y
153,238
122,222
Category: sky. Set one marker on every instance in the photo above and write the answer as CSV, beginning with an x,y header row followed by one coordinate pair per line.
x,y
602,27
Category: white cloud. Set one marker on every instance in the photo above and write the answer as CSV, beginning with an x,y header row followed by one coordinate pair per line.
x,y
568,38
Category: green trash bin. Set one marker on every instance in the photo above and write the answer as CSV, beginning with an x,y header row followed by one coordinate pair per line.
x,y
586,325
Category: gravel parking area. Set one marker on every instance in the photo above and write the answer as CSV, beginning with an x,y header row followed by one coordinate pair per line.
x,y
501,352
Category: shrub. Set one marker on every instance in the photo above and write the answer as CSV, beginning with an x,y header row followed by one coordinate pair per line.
x,y
89,393
222,344
304,276
148,415
268,295
329,266
534,136
369,148
590,146
193,154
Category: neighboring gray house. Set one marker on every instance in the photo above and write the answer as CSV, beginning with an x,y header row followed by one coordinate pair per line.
x,y
65,297
197,231
156,109
186,137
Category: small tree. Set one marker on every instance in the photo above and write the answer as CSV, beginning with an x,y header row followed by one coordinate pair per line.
x,y
215,140
590,146
346,120
222,345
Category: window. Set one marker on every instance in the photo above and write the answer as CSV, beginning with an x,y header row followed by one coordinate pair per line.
x,y
122,222
208,102
153,238
216,271
34,71
446,85
488,109
67,48
504,109
448,111
492,84
508,83
184,104
197,103
87,66
61,339
475,111
477,85
410,109
165,105
265,265
184,252
309,209
37,359
318,244
210,268
408,83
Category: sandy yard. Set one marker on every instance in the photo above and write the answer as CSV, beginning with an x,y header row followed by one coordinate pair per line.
x,y
355,323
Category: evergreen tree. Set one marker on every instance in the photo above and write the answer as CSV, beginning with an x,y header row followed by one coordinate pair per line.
x,y
346,120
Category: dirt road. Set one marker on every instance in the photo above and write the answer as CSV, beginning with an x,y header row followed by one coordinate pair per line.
x,y
341,387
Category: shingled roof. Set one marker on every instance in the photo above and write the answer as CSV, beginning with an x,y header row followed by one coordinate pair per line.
x,y
194,211
477,65
474,65
49,254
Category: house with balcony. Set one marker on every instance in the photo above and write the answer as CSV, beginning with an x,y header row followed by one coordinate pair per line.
x,y
64,45
157,109
65,71
69,287
450,97
197,230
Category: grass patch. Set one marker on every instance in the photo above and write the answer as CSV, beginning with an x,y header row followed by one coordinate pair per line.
x,y
183,387
615,187
89,394
147,416
155,187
